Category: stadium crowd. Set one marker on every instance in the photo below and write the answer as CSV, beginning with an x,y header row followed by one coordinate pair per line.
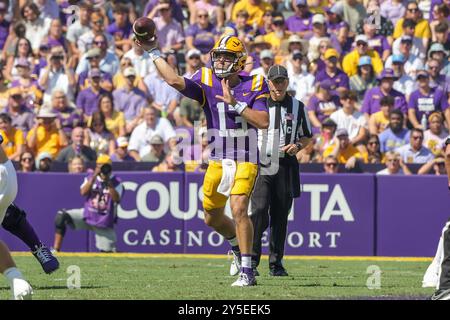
x,y
374,76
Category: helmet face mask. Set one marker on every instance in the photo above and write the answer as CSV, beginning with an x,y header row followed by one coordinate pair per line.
x,y
223,63
228,56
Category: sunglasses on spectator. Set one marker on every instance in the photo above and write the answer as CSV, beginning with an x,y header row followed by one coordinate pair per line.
x,y
27,159
202,16
164,9
331,164
414,10
361,44
372,142
433,67
16,96
194,57
99,43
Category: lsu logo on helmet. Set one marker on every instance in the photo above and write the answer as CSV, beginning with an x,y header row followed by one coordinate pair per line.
x,y
232,51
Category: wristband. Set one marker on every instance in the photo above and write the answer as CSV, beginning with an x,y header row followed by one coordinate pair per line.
x,y
154,54
240,106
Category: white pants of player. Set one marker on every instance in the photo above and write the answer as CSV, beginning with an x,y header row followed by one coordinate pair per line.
x,y
8,187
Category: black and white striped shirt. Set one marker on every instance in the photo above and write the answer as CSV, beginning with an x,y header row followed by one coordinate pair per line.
x,y
293,123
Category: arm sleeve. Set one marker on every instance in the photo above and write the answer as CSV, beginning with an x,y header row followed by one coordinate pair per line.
x,y
193,90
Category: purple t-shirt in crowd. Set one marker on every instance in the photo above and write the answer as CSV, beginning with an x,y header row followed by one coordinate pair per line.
x,y
222,117
69,118
323,109
340,79
39,66
320,65
87,100
83,78
336,27
436,100
379,44
177,11
23,120
441,82
52,42
99,207
115,158
203,38
4,32
371,103
129,102
120,33
297,24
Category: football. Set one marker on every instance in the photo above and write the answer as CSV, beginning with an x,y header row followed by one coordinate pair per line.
x,y
144,29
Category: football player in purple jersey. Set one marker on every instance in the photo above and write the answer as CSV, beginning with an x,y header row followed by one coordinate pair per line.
x,y
235,107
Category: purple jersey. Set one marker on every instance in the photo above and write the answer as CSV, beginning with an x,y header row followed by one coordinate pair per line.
x,y
234,137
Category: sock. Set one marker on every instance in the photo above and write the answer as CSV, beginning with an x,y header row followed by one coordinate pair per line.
x,y
25,232
12,273
246,261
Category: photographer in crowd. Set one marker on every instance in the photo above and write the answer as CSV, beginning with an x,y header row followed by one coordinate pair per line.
x,y
102,192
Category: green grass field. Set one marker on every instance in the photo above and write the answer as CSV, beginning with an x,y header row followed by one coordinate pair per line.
x,y
173,277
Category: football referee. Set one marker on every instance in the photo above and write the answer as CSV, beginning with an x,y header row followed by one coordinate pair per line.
x,y
289,131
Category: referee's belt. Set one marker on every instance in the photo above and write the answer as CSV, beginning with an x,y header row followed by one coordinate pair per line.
x,y
284,160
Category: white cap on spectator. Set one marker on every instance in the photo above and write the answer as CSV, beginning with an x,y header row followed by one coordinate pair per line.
x,y
129,72
318,18
46,113
193,52
122,142
295,38
266,54
361,37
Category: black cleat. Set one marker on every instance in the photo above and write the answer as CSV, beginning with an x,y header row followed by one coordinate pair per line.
x,y
278,271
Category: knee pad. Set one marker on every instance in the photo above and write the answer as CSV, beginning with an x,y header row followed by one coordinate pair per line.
x,y
13,217
61,220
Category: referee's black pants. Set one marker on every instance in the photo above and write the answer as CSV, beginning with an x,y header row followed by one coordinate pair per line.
x,y
271,202
444,280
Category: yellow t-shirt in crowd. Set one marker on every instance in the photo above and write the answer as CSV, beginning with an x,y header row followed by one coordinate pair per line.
x,y
346,154
317,6
255,13
47,141
119,81
12,140
351,60
422,29
275,41
114,123
381,121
